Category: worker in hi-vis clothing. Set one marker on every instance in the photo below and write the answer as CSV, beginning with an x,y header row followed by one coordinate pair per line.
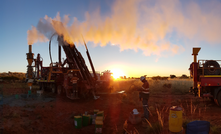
x,y
144,96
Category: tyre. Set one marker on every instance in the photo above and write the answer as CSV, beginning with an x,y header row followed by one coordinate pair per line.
x,y
211,67
218,98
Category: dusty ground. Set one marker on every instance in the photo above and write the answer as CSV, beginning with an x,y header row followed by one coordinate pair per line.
x,y
51,114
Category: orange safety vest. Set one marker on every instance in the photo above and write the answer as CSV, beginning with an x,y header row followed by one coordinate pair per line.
x,y
145,86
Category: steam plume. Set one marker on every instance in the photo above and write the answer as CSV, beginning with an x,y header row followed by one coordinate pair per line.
x,y
139,25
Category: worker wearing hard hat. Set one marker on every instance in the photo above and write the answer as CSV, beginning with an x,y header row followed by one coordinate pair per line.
x,y
144,96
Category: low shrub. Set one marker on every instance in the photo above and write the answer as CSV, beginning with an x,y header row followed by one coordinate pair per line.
x,y
8,78
215,129
156,128
175,86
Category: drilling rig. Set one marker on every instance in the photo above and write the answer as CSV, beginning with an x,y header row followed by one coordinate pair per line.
x,y
206,76
70,77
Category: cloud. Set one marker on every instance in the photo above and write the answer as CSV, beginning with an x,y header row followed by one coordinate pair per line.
x,y
34,35
139,25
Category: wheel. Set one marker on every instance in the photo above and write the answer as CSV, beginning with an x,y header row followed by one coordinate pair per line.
x,y
212,68
218,98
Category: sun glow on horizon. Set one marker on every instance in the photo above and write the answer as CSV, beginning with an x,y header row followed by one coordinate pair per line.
x,y
117,73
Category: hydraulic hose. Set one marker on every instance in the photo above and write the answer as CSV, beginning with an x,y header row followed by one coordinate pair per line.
x,y
50,47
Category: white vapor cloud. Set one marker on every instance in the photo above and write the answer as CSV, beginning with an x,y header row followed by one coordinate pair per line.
x,y
138,25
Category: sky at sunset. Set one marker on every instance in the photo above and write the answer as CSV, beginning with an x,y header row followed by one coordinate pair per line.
x,y
137,37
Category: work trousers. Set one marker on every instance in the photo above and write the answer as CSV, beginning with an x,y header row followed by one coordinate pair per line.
x,y
145,98
145,108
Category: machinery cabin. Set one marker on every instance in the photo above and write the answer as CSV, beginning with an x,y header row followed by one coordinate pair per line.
x,y
206,76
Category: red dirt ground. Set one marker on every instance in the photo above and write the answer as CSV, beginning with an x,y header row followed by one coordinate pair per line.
x,y
57,117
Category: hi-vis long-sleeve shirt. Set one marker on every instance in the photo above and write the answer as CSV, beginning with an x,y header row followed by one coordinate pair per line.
x,y
145,88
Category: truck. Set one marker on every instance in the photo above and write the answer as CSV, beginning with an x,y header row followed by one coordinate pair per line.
x,y
69,77
206,76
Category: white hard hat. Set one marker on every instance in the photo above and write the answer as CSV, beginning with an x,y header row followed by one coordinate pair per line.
x,y
135,111
142,78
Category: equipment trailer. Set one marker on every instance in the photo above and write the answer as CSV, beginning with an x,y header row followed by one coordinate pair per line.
x,y
206,76
70,77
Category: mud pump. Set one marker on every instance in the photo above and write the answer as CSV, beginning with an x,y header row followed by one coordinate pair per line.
x,y
206,76
69,77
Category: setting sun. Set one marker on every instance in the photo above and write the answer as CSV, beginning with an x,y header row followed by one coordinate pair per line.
x,y
117,73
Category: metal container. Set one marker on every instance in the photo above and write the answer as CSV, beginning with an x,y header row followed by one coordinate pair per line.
x,y
98,126
29,92
86,120
100,118
175,119
100,113
95,111
78,121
